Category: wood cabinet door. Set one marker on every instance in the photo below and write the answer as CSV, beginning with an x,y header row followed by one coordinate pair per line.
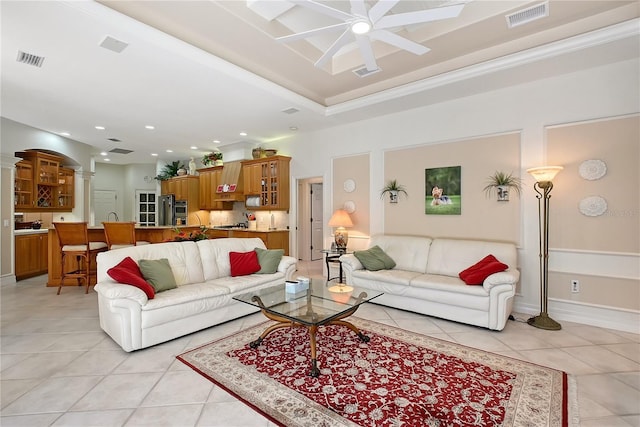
x,y
204,196
23,185
31,255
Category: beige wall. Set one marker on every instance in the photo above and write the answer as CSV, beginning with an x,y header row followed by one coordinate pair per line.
x,y
612,238
482,217
356,168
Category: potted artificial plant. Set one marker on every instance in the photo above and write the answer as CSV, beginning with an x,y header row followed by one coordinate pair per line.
x,y
213,158
394,189
170,170
502,182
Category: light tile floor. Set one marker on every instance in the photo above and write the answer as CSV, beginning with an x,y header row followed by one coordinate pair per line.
x,y
59,369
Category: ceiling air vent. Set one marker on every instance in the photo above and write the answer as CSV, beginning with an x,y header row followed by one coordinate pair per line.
x,y
114,139
364,72
290,110
113,44
527,15
121,151
30,59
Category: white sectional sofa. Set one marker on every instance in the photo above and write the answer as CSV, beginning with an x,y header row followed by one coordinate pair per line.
x,y
202,299
425,279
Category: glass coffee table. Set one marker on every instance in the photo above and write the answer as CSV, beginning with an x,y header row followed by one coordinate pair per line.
x,y
319,305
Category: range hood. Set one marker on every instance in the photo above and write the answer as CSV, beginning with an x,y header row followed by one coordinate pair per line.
x,y
230,186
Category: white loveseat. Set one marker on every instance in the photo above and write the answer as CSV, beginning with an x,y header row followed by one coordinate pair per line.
x,y
425,279
202,299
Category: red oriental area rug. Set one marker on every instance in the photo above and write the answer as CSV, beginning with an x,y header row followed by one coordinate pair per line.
x,y
398,378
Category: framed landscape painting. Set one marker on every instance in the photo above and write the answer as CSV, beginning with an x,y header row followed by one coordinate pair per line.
x,y
443,195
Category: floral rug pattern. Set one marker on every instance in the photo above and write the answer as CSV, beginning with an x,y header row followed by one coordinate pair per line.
x,y
398,378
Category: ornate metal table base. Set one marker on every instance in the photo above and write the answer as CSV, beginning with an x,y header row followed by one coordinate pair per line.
x,y
284,322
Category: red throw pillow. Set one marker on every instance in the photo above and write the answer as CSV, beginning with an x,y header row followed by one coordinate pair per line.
x,y
244,263
479,271
127,272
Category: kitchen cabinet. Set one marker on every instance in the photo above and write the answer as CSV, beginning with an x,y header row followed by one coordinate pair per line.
x,y
42,184
31,255
278,239
23,185
208,181
186,188
268,179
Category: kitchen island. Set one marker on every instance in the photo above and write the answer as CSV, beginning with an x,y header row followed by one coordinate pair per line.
x,y
273,239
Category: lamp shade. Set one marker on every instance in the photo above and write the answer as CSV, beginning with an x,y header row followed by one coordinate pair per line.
x,y
340,218
545,173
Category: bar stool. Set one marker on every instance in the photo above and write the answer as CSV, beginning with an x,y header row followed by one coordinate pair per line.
x,y
121,235
74,241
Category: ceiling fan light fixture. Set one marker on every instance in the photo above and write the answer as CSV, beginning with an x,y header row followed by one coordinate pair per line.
x,y
360,26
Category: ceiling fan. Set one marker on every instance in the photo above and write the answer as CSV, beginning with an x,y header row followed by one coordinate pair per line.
x,y
363,26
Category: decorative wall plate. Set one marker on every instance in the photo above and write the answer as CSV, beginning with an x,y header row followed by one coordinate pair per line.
x,y
593,206
349,206
592,169
349,185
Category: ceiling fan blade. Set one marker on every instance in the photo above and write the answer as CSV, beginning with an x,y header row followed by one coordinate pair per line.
x,y
395,40
367,52
324,9
402,19
358,8
343,40
309,33
381,8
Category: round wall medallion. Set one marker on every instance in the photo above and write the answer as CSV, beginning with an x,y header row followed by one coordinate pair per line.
x,y
349,185
593,206
349,206
592,169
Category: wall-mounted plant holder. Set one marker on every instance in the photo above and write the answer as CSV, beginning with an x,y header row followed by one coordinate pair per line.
x,y
502,183
393,189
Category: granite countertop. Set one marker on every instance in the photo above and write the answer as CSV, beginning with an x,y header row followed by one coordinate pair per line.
x,y
26,231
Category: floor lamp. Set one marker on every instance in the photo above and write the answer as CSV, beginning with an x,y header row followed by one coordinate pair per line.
x,y
544,176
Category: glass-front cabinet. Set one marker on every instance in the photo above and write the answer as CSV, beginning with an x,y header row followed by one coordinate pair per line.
x,y
268,179
42,184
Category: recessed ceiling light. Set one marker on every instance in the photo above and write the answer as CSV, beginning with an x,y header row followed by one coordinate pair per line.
x,y
100,127
107,160
65,134
216,141
103,153
154,154
169,151
149,127
293,128
243,134
193,147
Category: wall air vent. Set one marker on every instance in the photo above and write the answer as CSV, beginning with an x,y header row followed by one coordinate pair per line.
x,y
364,72
30,59
527,15
121,151
290,110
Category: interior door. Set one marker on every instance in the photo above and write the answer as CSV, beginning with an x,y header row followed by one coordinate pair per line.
x,y
316,221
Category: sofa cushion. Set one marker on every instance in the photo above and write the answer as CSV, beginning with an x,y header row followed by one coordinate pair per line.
x,y
479,271
409,252
216,254
158,273
449,257
269,259
127,272
243,263
375,259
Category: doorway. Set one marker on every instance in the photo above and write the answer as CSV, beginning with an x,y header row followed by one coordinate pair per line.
x,y
310,219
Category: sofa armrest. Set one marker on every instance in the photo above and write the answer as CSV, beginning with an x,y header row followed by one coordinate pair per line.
x,y
288,266
114,290
350,262
507,277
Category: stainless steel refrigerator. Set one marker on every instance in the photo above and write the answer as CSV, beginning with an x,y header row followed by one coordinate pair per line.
x,y
167,210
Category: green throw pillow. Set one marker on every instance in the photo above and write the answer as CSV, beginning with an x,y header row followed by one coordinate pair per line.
x,y
269,260
158,273
375,259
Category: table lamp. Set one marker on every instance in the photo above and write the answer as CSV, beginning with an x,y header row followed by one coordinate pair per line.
x,y
340,219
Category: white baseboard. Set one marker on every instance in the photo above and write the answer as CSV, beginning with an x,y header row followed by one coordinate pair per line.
x,y
9,279
588,314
